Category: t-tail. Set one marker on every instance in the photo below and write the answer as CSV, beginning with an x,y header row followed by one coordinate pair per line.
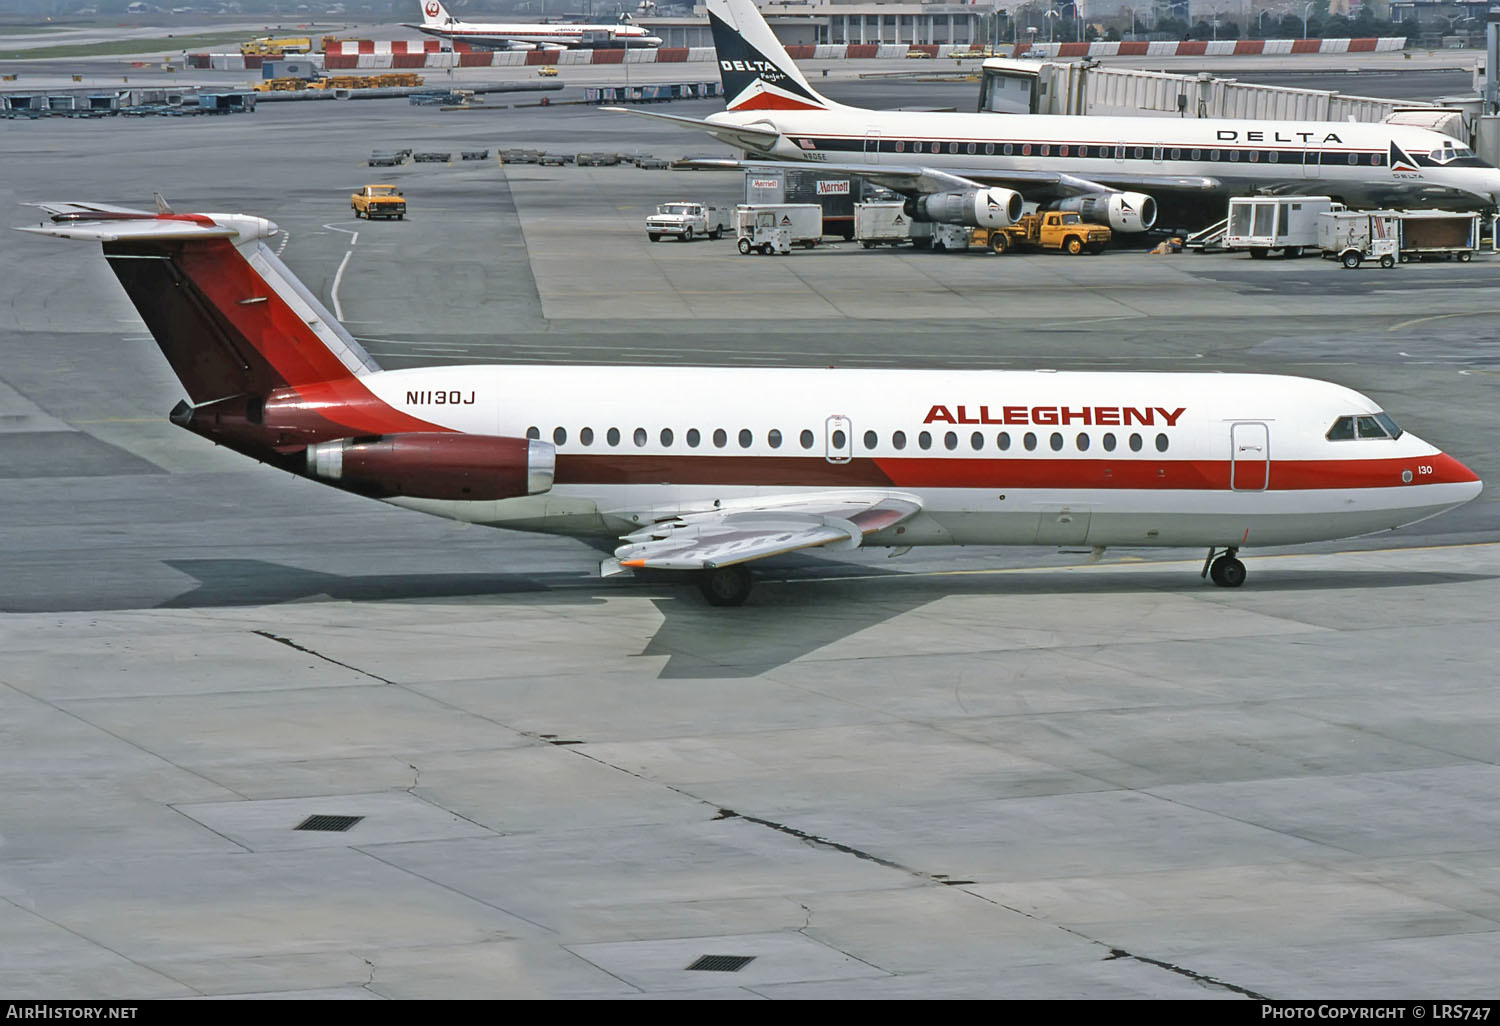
x,y
757,72
267,369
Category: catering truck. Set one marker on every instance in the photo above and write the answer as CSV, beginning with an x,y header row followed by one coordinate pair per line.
x,y
1260,224
803,221
1354,236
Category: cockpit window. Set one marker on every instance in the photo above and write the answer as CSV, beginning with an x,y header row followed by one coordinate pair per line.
x,y
1450,153
1378,425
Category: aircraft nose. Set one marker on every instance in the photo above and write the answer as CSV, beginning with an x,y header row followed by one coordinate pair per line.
x,y
1461,482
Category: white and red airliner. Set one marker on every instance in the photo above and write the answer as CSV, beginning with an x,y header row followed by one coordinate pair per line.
x,y
1129,172
705,470
562,35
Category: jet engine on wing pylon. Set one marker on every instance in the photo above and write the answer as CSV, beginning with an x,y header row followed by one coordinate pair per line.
x,y
436,465
1122,211
979,208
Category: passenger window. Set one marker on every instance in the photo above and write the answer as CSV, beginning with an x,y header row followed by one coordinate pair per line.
x,y
1082,441
746,438
613,437
1029,441
534,433
586,436
1342,430
693,438
640,437
838,439
806,438
976,441
950,441
773,438
1109,441
924,440
666,437
898,439
1369,427
871,440
559,436
1161,443
1056,441
1003,440
720,438
969,148
1135,443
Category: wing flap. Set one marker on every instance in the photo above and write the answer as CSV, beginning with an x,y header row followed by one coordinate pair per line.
x,y
743,532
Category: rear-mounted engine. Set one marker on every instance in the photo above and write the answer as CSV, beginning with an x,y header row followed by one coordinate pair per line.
x,y
436,465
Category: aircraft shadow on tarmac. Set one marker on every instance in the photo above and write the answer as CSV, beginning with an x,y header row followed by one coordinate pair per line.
x,y
787,617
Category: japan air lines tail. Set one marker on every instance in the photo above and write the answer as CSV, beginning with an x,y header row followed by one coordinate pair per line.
x,y
707,470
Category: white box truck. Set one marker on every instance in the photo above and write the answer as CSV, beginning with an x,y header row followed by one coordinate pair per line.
x,y
803,221
887,224
1259,224
1354,236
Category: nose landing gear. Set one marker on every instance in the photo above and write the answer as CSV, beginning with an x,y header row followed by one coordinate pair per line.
x,y
1226,571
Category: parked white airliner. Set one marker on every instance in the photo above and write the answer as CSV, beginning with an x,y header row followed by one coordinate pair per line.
x,y
436,21
976,169
706,469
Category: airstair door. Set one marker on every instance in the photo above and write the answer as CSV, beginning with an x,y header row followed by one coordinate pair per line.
x,y
1249,457
1312,162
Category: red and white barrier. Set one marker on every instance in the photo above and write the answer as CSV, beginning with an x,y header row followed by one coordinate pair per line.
x,y
352,54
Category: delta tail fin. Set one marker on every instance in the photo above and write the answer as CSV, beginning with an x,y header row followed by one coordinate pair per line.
x,y
756,70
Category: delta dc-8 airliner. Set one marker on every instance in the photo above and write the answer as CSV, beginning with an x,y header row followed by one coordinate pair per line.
x,y
705,470
1129,172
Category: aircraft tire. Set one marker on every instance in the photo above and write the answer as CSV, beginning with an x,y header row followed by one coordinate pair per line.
x,y
725,585
1227,572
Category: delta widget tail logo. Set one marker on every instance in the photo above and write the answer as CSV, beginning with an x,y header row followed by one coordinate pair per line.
x,y
753,82
1399,161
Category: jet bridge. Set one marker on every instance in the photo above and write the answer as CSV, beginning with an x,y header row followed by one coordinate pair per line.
x,y
1020,86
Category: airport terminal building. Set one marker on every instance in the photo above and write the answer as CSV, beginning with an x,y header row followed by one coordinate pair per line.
x,y
835,22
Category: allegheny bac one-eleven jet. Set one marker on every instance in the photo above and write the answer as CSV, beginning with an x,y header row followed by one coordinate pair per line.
x,y
976,169
436,21
704,470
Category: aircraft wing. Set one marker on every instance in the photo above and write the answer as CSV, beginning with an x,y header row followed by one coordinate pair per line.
x,y
742,137
922,180
743,530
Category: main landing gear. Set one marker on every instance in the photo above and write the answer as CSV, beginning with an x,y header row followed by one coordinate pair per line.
x,y
725,585
1226,571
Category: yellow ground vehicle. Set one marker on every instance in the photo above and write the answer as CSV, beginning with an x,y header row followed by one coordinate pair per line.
x,y
378,201
546,71
268,46
1051,229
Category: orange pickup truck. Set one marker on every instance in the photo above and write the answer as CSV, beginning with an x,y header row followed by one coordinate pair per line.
x,y
378,201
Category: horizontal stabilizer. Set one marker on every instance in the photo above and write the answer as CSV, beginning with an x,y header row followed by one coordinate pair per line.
x,y
98,222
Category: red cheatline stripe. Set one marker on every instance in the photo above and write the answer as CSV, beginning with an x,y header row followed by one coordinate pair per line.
x,y
1137,472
